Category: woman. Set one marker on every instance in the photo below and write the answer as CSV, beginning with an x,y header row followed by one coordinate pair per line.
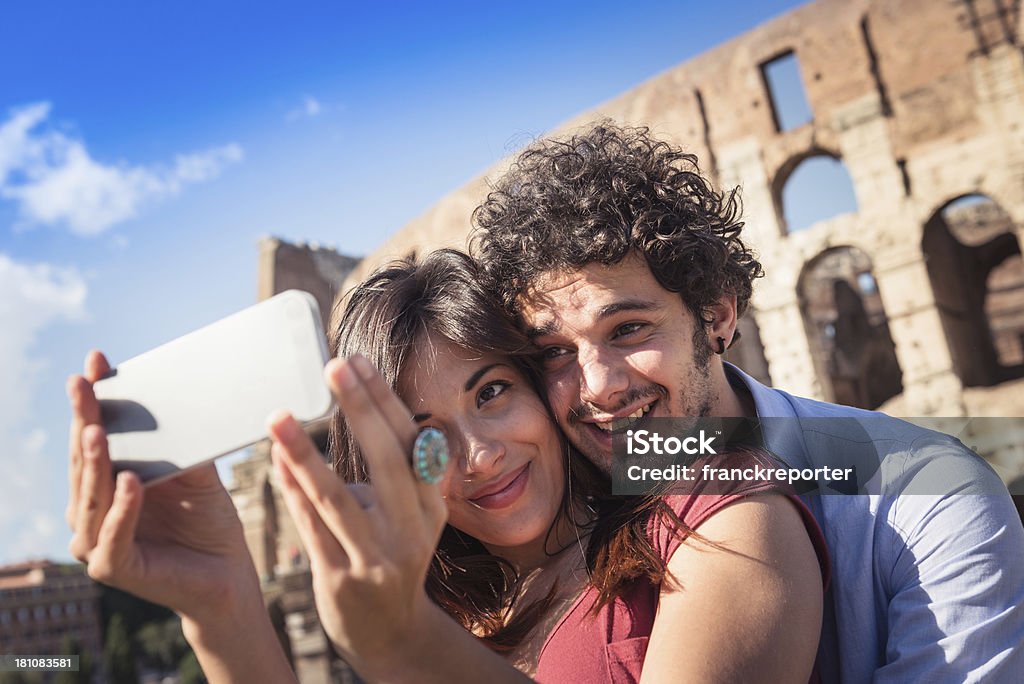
x,y
526,562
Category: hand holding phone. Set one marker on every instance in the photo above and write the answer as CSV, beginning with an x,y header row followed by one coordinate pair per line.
x,y
209,393
179,544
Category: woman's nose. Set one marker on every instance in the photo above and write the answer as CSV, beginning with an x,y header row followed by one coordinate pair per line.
x,y
482,452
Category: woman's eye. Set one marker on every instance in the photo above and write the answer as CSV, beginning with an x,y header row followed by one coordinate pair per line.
x,y
490,391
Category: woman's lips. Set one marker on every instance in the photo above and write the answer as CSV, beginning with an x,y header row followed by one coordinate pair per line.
x,y
508,494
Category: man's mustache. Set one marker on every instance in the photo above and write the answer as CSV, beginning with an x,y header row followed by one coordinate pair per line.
x,y
633,395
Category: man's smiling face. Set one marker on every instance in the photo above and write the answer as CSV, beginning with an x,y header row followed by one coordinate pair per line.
x,y
619,349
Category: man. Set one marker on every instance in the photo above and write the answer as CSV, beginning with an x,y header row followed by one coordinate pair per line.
x,y
630,273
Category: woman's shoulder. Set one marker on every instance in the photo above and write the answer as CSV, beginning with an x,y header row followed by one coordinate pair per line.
x,y
721,480
709,487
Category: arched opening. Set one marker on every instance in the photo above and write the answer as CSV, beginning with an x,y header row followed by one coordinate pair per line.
x,y
977,276
813,188
786,93
748,351
846,325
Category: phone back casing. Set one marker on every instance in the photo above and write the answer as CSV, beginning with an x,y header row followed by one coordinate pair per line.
x,y
209,393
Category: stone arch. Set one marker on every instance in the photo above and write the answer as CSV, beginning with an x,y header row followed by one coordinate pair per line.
x,y
811,187
974,264
847,328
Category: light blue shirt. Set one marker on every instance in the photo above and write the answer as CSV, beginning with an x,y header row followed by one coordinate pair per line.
x,y
927,566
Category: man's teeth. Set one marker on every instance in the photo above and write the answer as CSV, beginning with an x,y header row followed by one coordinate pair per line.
x,y
624,422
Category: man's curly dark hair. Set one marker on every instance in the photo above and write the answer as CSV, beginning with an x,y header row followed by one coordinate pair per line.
x,y
597,196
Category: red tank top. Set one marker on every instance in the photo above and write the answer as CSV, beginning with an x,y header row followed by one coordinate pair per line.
x,y
610,646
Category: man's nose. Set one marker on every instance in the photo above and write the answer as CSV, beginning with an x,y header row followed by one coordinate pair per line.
x,y
601,378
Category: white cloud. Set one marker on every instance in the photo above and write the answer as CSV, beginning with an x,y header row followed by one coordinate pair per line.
x,y
32,469
55,181
310,108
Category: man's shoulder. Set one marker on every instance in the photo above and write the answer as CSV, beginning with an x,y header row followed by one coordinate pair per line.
x,y
897,454
772,403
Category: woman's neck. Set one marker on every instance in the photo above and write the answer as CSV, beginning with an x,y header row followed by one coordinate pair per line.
x,y
567,537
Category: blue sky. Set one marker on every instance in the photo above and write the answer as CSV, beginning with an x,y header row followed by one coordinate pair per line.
x,y
145,147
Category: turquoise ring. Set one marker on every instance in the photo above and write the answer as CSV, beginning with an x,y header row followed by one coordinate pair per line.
x,y
430,455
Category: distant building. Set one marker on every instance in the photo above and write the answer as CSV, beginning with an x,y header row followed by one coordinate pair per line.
x,y
42,603
273,541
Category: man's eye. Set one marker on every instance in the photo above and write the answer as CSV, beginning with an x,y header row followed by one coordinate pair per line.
x,y
490,391
553,353
628,329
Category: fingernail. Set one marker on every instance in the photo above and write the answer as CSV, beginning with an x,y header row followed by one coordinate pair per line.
x,y
123,481
347,375
363,367
286,428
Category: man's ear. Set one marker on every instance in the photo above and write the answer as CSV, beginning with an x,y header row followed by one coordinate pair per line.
x,y
723,321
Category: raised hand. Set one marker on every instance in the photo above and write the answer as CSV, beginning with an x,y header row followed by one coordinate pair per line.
x,y
179,544
369,563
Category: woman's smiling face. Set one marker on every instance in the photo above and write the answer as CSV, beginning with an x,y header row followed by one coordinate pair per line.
x,y
506,475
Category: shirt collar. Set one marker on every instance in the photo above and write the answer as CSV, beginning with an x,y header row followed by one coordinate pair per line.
x,y
784,438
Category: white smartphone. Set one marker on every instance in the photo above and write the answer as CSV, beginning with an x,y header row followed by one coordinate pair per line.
x,y
210,392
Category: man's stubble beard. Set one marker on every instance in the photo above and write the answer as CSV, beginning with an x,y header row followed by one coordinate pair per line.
x,y
701,372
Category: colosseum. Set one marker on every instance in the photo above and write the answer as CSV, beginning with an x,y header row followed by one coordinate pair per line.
x,y
909,297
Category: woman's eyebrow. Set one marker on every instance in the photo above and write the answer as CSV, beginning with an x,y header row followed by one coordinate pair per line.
x,y
479,373
470,383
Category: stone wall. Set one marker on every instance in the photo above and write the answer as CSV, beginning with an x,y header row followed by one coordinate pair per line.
x,y
923,103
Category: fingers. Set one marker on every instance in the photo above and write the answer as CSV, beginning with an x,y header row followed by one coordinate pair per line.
x,y
95,492
332,505
405,430
116,540
385,435
85,410
394,410
96,366
435,510
363,493
321,545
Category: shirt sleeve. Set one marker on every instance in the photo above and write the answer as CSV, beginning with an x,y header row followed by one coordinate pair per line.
x,y
952,566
